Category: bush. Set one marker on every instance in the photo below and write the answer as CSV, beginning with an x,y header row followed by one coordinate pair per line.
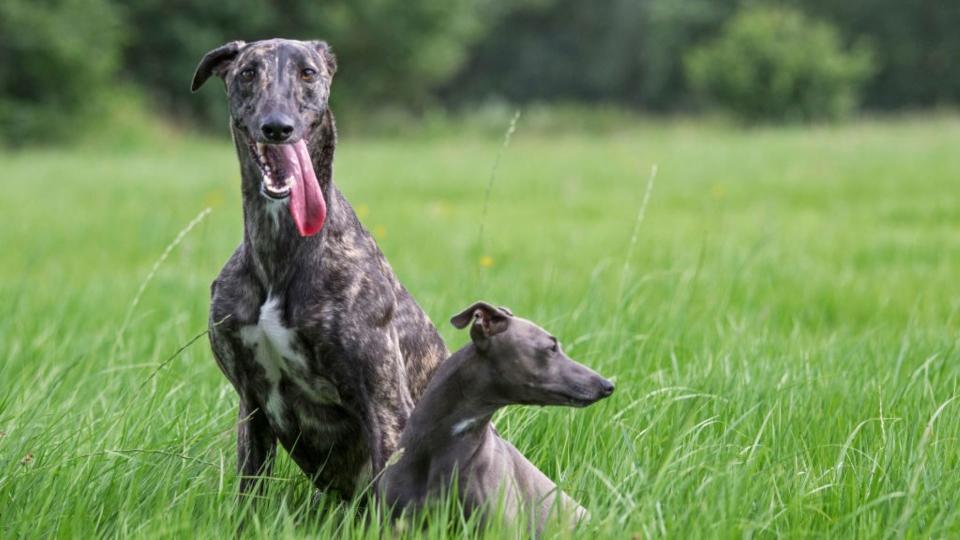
x,y
59,59
775,64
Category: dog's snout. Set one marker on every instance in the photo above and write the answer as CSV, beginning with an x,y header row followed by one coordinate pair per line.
x,y
606,388
277,127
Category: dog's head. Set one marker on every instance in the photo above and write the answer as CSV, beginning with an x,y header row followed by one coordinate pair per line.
x,y
278,91
529,367
278,88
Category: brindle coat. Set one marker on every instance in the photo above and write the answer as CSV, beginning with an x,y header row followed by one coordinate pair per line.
x,y
326,349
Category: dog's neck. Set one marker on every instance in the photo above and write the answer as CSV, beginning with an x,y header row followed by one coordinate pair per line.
x,y
269,234
453,416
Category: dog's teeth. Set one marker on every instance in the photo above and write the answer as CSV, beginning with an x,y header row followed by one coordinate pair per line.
x,y
288,181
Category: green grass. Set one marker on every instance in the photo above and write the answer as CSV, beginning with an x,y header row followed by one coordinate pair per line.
x,y
783,332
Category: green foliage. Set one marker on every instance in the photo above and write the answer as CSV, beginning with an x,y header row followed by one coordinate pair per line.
x,y
916,45
57,63
604,51
777,64
170,39
673,27
60,60
632,52
390,51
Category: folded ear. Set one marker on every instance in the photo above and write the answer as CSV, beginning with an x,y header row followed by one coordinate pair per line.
x,y
327,54
462,319
216,63
487,320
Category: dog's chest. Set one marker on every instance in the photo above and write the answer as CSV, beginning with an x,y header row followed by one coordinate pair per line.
x,y
292,377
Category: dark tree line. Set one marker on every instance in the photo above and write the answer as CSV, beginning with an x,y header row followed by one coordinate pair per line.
x,y
391,51
632,51
61,59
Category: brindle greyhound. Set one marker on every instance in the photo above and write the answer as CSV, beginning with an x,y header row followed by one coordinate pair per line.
x,y
449,435
326,349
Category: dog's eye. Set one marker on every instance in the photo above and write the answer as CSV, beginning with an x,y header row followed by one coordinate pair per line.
x,y
308,74
554,345
248,74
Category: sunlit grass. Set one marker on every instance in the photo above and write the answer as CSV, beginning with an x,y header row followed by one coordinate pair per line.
x,y
783,330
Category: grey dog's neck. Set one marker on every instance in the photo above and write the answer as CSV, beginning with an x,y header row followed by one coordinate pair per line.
x,y
269,235
453,415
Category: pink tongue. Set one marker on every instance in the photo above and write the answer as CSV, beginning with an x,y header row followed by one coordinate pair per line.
x,y
307,206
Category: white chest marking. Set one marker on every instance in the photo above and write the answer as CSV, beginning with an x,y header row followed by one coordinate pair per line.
x,y
274,347
462,426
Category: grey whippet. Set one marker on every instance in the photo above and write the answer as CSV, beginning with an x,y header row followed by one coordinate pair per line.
x,y
326,349
449,435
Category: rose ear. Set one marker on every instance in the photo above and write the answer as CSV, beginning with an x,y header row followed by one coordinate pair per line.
x,y
329,59
216,63
462,319
487,320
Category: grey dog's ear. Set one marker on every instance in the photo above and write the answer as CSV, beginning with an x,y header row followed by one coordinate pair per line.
x,y
216,63
329,59
487,320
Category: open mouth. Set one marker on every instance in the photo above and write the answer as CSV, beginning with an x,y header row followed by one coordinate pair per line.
x,y
277,178
287,174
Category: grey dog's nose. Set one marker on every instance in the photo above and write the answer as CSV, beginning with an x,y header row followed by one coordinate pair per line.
x,y
606,387
277,127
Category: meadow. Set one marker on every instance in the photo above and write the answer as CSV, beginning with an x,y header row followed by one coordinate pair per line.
x,y
780,317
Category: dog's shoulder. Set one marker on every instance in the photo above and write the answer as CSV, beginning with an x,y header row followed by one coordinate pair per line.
x,y
235,294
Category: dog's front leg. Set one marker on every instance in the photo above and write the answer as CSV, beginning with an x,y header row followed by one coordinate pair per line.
x,y
385,406
256,445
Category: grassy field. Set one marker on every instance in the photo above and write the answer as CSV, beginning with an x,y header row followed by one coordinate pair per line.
x,y
783,328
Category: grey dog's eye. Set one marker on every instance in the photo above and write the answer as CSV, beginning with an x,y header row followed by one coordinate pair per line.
x,y
554,346
247,74
308,74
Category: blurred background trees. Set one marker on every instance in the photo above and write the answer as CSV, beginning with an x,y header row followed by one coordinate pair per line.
x,y
391,51
777,64
60,60
57,62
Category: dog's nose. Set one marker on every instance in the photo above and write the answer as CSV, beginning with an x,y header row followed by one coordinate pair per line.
x,y
277,127
606,388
